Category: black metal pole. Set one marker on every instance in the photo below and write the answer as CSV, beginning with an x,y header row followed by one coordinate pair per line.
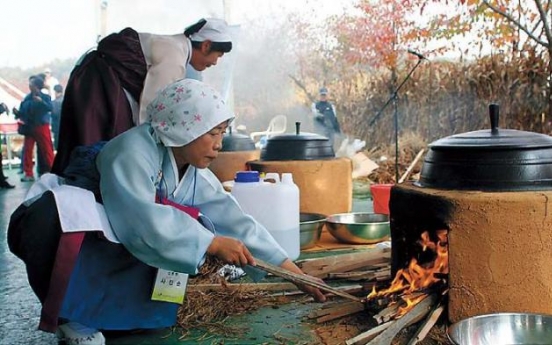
x,y
396,120
393,99
393,95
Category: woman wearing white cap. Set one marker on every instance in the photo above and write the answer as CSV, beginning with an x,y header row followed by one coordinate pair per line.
x,y
147,176
110,87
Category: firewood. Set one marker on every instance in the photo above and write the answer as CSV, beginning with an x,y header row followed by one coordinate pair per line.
x,y
326,309
362,275
320,267
411,166
378,283
352,266
387,314
370,334
351,288
283,286
357,275
346,288
414,315
331,260
336,311
303,279
415,294
430,321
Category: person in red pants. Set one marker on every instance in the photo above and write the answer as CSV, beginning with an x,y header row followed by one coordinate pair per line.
x,y
34,112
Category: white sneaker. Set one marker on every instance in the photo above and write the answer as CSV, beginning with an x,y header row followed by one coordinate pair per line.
x,y
74,333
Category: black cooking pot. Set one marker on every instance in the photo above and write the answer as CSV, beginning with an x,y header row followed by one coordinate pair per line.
x,y
237,142
489,160
284,147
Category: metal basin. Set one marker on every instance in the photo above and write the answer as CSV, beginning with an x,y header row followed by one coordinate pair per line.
x,y
359,228
502,329
310,228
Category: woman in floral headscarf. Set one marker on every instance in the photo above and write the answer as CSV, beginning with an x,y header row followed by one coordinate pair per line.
x,y
152,181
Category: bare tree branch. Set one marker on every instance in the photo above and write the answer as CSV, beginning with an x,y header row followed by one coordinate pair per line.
x,y
302,87
516,23
544,19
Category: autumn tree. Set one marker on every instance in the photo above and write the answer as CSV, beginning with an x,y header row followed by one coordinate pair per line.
x,y
353,53
522,27
362,56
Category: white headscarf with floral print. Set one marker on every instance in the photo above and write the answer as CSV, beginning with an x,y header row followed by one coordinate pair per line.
x,y
185,110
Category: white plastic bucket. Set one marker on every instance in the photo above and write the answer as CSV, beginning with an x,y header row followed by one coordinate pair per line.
x,y
273,204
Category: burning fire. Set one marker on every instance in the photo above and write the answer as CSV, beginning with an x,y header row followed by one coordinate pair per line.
x,y
412,281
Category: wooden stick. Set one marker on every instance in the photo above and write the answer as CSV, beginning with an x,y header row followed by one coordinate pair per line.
x,y
243,286
419,311
411,166
336,310
361,275
387,314
422,332
370,334
303,279
374,253
352,309
347,288
321,267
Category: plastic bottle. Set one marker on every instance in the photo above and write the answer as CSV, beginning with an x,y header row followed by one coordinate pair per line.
x,y
274,205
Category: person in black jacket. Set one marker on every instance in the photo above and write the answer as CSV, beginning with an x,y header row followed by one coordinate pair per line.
x,y
325,118
34,112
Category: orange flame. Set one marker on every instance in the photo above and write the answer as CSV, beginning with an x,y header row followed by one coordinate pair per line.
x,y
416,277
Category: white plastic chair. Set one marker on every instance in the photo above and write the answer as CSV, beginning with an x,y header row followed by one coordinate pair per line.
x,y
277,125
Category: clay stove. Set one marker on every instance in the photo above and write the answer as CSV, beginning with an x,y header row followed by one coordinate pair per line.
x,y
491,191
500,246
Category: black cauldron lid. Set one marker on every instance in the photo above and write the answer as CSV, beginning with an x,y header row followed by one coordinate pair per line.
x,y
298,146
489,160
236,142
495,138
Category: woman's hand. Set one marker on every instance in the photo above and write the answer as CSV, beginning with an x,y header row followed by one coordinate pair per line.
x,y
314,292
231,251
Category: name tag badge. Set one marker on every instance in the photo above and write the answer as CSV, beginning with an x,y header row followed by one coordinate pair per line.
x,y
169,286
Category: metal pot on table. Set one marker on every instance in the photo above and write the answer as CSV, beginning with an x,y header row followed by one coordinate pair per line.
x,y
297,146
324,181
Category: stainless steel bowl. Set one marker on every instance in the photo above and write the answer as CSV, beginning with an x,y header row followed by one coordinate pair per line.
x,y
502,329
310,228
359,228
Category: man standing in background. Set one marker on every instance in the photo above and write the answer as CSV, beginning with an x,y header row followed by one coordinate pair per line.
x,y
325,118
56,112
34,112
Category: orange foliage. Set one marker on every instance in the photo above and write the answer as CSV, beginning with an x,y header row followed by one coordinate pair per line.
x,y
379,30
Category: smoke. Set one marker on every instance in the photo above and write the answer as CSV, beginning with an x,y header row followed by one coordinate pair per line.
x,y
261,65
